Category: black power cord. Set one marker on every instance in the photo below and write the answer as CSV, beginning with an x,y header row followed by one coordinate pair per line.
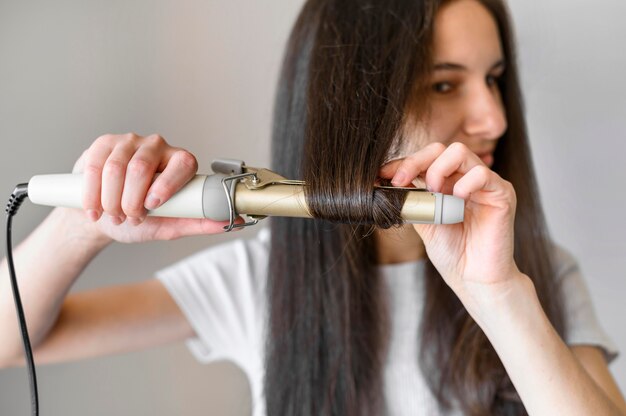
x,y
19,194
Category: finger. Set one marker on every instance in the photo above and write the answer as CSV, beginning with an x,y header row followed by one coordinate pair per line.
x,y
79,166
95,158
113,178
481,178
139,175
389,169
449,182
173,228
418,162
181,168
457,158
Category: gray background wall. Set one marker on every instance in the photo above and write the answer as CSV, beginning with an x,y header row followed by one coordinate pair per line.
x,y
202,74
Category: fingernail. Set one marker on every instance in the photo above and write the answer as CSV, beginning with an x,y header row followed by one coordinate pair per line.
x,y
399,178
134,221
93,215
152,201
116,220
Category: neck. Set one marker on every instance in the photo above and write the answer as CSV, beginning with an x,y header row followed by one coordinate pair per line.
x,y
399,245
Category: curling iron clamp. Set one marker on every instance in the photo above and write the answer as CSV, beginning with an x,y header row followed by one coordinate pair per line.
x,y
237,189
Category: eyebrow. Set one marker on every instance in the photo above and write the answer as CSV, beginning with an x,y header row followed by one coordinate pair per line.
x,y
451,66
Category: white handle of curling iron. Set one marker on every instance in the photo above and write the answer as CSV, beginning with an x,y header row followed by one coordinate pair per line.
x,y
66,190
204,197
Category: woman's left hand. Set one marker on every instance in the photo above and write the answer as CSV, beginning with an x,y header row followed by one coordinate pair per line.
x,y
474,257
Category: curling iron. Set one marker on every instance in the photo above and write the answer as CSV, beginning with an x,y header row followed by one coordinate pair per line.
x,y
236,189
232,190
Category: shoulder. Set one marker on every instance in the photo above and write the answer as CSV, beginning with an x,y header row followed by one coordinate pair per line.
x,y
582,324
564,261
569,279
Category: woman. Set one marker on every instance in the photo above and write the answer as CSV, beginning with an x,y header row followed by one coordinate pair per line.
x,y
358,319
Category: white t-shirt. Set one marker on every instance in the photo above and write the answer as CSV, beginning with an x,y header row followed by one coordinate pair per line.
x,y
221,291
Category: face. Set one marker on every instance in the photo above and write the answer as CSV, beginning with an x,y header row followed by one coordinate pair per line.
x,y
468,61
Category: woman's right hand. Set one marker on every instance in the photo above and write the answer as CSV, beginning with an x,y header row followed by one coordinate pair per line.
x,y
118,188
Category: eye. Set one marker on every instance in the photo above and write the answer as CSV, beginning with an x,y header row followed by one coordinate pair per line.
x,y
493,79
442,87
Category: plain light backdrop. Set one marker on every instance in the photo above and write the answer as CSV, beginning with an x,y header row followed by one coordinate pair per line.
x,y
202,74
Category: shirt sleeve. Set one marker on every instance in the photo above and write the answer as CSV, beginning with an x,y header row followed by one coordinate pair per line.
x,y
221,291
582,325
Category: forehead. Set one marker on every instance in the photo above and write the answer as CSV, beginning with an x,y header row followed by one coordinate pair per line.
x,y
466,32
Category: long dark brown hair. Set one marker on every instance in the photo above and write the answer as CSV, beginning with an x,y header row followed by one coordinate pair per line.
x,y
352,69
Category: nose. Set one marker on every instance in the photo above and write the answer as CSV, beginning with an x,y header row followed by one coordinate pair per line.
x,y
484,116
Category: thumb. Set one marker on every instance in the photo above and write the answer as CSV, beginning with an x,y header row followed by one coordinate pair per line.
x,y
425,231
174,228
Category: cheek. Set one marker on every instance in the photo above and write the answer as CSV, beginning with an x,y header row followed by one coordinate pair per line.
x,y
504,123
444,124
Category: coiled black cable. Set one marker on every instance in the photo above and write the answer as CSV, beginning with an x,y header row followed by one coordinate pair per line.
x,y
18,196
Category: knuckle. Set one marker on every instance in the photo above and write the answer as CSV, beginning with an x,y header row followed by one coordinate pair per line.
x,y
483,171
437,147
92,169
132,140
458,147
129,140
130,211
114,168
105,139
132,207
138,166
156,140
510,201
111,207
187,160
510,188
